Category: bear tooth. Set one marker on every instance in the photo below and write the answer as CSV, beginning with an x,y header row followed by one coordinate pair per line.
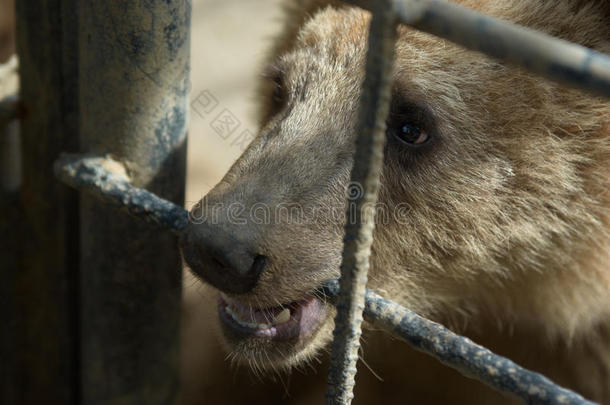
x,y
252,325
246,324
282,317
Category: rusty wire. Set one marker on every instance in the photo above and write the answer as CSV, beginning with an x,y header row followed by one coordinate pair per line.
x,y
107,180
366,173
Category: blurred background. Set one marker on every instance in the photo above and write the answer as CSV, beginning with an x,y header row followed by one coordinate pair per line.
x,y
228,45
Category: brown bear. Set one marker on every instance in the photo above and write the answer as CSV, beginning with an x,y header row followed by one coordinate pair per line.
x,y
494,209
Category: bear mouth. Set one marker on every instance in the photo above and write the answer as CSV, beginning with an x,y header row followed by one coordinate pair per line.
x,y
296,320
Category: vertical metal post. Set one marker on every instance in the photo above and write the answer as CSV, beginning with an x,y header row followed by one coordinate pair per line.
x,y
37,221
365,176
134,65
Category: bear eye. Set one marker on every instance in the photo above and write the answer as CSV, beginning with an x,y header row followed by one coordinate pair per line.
x,y
278,97
410,134
278,93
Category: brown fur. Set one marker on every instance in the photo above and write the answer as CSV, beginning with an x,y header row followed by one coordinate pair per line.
x,y
507,238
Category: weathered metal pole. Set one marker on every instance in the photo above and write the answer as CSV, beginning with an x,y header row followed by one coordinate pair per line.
x,y
134,65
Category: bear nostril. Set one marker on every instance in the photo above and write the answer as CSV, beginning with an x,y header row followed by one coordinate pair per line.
x,y
258,265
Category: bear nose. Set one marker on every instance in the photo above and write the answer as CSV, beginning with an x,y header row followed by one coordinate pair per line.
x,y
222,260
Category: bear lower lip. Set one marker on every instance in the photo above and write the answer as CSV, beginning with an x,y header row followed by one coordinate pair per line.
x,y
305,316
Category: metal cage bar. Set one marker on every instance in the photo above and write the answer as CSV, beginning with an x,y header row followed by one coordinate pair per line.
x,y
366,171
134,60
